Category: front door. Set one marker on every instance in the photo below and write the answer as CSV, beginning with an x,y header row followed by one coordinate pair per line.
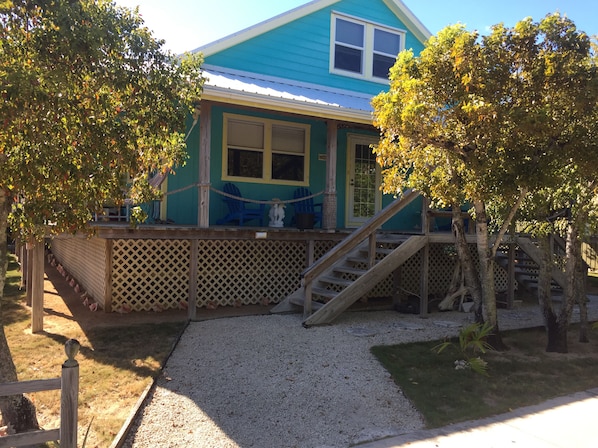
x,y
363,180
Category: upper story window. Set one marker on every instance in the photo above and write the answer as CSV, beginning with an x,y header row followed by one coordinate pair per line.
x,y
261,150
362,49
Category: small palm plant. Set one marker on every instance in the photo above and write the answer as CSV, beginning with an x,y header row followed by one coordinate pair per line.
x,y
472,343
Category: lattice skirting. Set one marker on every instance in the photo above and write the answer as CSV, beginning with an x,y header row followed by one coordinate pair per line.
x,y
153,274
149,274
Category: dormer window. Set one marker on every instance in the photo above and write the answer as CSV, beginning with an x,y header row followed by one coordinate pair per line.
x,y
362,49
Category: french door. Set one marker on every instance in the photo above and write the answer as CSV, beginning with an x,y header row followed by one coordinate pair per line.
x,y
363,180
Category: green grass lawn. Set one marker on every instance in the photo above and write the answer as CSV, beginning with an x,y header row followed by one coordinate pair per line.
x,y
524,375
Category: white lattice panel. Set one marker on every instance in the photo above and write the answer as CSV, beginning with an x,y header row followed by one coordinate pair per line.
x,y
153,274
244,272
149,274
85,260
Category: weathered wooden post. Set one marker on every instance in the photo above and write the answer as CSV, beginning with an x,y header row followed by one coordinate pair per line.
x,y
37,287
69,396
330,206
193,273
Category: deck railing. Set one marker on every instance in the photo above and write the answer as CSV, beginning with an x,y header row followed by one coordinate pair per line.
x,y
68,384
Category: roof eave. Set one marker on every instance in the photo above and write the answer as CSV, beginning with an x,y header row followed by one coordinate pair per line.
x,y
414,25
223,95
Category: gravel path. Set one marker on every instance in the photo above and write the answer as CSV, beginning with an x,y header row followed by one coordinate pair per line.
x,y
265,381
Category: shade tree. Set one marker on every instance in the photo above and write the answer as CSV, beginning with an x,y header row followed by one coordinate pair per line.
x,y
91,105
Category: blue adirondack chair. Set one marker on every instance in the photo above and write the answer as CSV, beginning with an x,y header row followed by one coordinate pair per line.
x,y
307,206
238,210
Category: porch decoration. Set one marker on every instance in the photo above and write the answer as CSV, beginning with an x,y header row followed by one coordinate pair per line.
x,y
276,213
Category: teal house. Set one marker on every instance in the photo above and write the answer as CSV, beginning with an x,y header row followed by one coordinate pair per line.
x,y
285,113
279,204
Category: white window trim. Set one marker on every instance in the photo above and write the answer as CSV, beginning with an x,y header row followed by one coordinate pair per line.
x,y
368,49
267,151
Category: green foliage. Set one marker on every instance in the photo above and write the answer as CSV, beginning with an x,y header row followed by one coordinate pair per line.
x,y
91,105
472,343
138,216
500,121
486,118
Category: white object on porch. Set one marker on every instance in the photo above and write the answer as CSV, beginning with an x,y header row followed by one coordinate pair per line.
x,y
276,213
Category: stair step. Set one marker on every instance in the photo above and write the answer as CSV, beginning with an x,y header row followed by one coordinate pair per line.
x,y
323,292
349,270
357,259
379,250
335,280
390,238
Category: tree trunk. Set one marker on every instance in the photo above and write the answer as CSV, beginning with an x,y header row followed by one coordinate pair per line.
x,y
544,279
486,261
18,412
556,332
472,279
556,336
581,274
582,300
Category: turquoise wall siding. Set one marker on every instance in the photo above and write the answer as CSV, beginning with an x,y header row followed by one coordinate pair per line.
x,y
276,53
182,207
299,51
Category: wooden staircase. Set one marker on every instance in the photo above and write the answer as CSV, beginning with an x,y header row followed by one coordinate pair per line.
x,y
352,268
526,260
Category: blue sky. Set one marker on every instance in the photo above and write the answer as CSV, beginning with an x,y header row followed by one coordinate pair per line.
x,y
188,24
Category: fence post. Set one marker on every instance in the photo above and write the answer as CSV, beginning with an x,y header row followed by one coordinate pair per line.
x,y
69,396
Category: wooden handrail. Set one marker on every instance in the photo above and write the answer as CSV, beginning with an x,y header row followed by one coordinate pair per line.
x,y
368,230
369,227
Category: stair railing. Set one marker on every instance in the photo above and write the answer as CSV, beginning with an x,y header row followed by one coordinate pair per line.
x,y
367,230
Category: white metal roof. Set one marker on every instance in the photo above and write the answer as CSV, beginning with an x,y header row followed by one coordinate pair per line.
x,y
252,89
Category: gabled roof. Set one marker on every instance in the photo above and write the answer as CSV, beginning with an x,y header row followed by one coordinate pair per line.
x,y
397,6
251,89
247,88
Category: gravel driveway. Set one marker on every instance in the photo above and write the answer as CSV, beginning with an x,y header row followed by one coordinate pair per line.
x,y
265,381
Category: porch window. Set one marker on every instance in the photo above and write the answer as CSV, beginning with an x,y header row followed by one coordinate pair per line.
x,y
364,50
265,150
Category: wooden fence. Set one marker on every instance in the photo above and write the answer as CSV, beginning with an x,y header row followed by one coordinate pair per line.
x,y
68,384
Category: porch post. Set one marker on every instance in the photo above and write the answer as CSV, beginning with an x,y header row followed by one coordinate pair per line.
x,y
329,203
203,196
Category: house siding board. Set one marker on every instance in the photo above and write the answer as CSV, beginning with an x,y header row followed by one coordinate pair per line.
x,y
182,206
277,52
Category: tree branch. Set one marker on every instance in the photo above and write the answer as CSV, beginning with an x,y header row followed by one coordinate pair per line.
x,y
507,222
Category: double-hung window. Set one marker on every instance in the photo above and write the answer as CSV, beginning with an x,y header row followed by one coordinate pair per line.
x,y
263,150
362,49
